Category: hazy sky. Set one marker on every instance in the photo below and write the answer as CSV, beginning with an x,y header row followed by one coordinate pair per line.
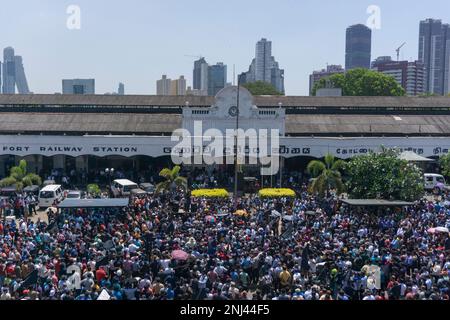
x,y
136,41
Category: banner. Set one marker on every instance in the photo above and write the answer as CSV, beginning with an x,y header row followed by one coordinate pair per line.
x,y
129,146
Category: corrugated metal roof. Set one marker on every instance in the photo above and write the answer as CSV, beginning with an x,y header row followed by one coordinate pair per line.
x,y
368,124
419,102
87,123
261,101
104,100
167,123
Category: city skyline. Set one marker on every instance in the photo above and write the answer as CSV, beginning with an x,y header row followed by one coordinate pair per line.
x,y
301,43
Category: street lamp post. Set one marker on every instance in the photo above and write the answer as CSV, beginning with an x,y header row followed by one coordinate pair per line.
x,y
109,173
236,145
280,105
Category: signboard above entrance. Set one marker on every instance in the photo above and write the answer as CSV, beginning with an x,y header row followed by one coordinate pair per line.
x,y
152,146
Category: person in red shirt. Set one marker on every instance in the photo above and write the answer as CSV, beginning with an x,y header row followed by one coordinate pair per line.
x,y
100,274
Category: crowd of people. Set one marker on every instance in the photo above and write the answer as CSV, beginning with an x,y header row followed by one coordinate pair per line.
x,y
173,247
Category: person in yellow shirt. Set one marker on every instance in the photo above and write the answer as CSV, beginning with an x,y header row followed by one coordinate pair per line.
x,y
285,277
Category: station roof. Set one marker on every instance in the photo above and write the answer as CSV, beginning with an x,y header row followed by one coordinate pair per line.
x,y
103,100
150,115
154,123
88,123
206,101
305,124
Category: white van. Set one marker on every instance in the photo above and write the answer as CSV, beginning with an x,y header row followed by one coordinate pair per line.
x,y
433,180
49,194
122,188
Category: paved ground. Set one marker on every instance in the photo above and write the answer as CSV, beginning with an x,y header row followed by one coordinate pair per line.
x,y
41,214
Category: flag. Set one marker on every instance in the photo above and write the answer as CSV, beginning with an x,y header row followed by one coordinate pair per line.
x,y
29,281
104,295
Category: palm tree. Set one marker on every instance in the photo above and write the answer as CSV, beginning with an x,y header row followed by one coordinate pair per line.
x,y
173,178
326,175
94,190
19,177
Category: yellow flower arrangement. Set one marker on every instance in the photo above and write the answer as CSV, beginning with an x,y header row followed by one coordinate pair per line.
x,y
276,193
210,193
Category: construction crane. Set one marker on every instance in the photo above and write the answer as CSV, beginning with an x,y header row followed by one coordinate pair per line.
x,y
398,51
192,56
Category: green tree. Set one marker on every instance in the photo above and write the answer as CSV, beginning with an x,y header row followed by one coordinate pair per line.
x,y
19,177
444,162
385,176
362,82
172,178
261,88
326,175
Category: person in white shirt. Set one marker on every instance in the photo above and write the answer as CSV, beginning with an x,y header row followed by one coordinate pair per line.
x,y
74,281
5,295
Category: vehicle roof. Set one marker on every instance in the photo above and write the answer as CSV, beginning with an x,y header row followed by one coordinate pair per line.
x,y
94,203
137,191
433,175
125,182
74,191
52,187
9,188
31,188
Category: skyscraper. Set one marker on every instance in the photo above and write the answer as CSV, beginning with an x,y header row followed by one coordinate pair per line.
x,y
264,61
9,71
264,67
178,87
217,78
163,86
434,53
13,73
21,79
78,86
121,90
200,78
358,47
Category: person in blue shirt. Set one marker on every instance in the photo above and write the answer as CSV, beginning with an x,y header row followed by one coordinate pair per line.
x,y
117,292
84,296
170,294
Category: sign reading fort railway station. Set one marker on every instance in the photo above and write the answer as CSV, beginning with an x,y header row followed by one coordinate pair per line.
x,y
152,146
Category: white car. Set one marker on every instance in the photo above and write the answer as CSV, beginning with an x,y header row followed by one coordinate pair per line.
x,y
121,188
433,181
49,195
74,195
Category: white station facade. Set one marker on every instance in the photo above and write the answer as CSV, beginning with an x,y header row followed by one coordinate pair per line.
x,y
52,131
